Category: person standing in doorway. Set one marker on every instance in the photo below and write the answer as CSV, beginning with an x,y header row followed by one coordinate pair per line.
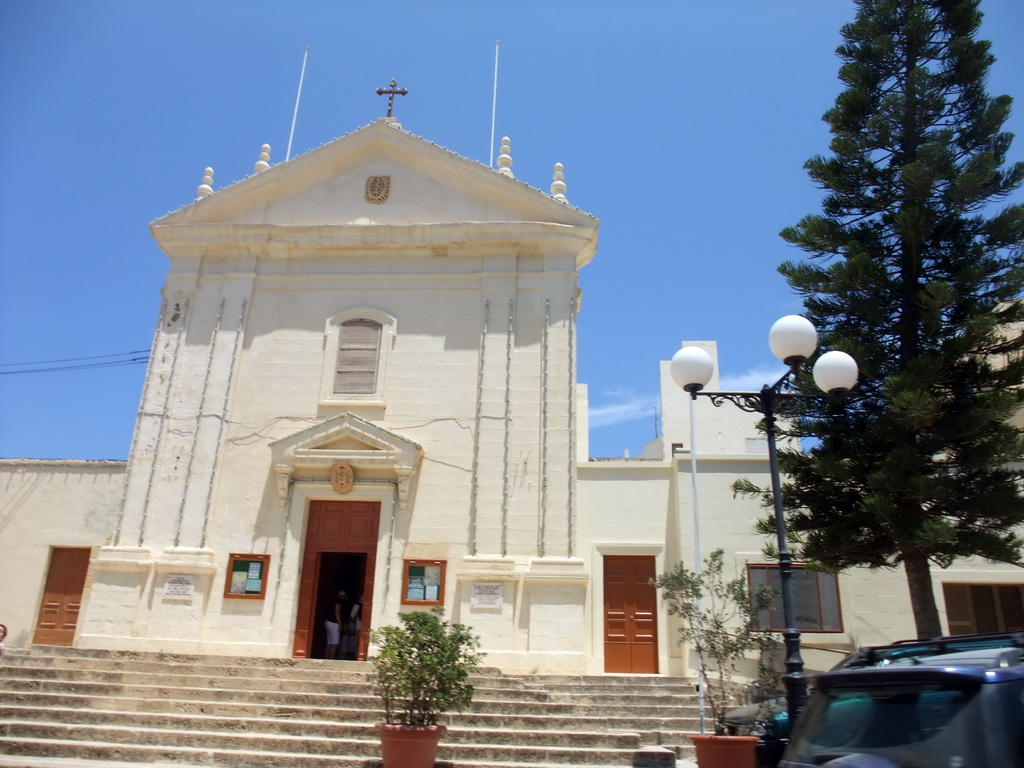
x,y
333,624
351,618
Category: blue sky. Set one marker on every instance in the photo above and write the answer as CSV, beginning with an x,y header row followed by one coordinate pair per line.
x,y
683,126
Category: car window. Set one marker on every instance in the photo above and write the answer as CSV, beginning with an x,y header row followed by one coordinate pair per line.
x,y
913,727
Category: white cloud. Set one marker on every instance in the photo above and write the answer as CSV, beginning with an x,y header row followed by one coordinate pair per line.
x,y
626,406
753,379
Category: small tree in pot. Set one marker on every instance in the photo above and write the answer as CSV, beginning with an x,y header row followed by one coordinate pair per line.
x,y
421,671
720,618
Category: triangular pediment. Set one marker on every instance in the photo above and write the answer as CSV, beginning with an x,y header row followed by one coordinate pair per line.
x,y
328,186
347,438
346,442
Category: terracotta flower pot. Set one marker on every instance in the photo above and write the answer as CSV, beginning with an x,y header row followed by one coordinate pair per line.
x,y
409,746
725,751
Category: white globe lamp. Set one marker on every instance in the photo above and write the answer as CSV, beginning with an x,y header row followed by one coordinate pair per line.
x,y
691,368
792,339
835,372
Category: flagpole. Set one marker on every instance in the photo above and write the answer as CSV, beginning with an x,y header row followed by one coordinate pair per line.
x,y
295,114
494,102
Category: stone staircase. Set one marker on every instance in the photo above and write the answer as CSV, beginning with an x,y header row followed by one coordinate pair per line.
x,y
301,713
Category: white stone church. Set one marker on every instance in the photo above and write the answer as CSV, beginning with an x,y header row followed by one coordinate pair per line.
x,y
364,379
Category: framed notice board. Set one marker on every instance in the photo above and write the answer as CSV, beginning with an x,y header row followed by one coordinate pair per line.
x,y
247,576
423,582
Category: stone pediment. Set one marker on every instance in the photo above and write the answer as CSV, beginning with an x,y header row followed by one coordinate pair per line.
x,y
363,444
377,176
347,438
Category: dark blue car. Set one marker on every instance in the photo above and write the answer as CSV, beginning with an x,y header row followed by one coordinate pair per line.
x,y
958,709
774,730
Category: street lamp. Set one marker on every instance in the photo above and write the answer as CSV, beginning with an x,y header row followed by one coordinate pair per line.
x,y
792,339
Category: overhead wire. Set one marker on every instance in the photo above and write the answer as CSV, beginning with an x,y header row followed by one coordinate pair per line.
x,y
135,357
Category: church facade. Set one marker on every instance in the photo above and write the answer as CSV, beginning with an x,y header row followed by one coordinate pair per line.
x,y
364,379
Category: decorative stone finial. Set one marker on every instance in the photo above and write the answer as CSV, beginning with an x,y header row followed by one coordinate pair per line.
x,y
558,186
505,158
205,189
264,162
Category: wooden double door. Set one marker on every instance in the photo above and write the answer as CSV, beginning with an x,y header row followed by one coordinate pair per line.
x,y
62,596
630,615
340,554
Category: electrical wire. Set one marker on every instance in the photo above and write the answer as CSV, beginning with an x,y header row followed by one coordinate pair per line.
x,y
136,357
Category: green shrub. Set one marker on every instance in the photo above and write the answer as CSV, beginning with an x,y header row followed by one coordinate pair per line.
x,y
422,668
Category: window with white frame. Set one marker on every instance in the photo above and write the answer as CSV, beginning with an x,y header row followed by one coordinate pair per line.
x,y
356,347
815,599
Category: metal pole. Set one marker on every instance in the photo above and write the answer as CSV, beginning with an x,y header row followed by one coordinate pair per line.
x,y
701,675
494,102
295,114
794,679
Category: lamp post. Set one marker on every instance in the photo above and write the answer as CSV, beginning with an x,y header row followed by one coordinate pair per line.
x,y
792,339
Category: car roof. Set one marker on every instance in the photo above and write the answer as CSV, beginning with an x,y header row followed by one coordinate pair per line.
x,y
877,655
992,665
985,658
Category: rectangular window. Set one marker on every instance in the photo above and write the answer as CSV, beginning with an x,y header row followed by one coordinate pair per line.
x,y
423,582
974,608
815,599
757,444
358,353
247,576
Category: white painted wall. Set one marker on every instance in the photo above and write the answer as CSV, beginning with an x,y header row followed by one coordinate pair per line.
x,y
480,274
45,504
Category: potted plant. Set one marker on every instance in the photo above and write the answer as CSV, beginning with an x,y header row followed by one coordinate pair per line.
x,y
720,618
421,670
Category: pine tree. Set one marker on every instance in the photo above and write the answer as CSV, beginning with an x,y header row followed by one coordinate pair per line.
x,y
917,270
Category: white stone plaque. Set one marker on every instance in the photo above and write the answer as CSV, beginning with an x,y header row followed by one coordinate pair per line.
x,y
487,594
179,586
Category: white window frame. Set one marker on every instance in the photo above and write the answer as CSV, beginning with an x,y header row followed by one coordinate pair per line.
x,y
332,333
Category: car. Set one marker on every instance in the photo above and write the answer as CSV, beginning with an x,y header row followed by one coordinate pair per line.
x,y
773,728
957,709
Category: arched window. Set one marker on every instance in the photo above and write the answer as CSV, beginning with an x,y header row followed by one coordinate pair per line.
x,y
356,350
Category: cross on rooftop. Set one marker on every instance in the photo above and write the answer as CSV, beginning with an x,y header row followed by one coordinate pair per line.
x,y
392,91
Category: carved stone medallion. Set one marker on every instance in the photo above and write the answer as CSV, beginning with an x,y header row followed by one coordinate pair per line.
x,y
377,189
342,477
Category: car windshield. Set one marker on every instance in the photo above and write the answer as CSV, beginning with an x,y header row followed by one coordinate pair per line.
x,y
911,726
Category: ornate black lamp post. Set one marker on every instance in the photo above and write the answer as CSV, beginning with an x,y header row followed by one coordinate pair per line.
x,y
792,339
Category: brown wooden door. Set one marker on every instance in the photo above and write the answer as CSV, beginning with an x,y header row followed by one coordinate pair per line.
x,y
348,527
630,615
62,598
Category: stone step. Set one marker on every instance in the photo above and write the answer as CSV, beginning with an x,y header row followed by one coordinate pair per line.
x,y
331,701
560,717
281,749
311,670
195,710
613,683
496,730
319,673
355,687
14,760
